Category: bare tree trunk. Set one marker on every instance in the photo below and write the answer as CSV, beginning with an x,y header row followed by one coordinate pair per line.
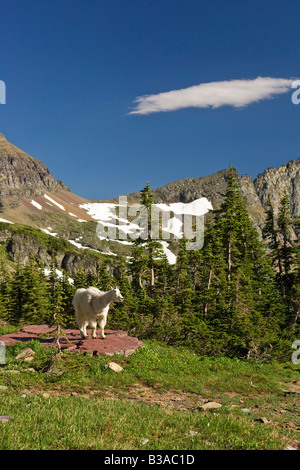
x,y
152,276
229,262
208,287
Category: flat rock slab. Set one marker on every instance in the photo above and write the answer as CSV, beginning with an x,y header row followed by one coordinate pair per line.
x,y
116,342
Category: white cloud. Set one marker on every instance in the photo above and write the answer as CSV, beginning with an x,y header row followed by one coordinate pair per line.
x,y
236,93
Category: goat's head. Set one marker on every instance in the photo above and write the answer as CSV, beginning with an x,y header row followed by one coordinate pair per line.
x,y
117,294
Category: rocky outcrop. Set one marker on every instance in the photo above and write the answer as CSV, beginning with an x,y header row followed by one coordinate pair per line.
x,y
21,246
116,342
273,182
22,176
213,187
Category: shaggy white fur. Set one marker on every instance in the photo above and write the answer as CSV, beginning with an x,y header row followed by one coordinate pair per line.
x,y
91,307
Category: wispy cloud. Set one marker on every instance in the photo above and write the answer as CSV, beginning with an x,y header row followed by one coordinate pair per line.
x,y
236,93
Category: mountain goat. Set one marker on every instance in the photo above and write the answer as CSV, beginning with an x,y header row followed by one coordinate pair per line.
x,y
91,308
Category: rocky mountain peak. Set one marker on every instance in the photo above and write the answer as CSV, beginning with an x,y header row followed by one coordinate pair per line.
x,y
274,182
22,176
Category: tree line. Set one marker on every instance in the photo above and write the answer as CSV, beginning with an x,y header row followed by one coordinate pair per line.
x,y
238,296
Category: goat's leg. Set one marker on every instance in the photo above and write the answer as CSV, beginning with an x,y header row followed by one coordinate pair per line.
x,y
83,332
102,324
94,329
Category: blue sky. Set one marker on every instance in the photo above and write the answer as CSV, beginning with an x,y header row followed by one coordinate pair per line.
x,y
73,70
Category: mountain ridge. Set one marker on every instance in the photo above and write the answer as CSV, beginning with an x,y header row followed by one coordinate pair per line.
x,y
22,175
30,195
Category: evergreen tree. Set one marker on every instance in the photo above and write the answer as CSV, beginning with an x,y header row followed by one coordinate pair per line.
x,y
148,255
17,294
295,289
106,280
59,319
79,278
5,288
246,293
35,297
124,315
212,272
286,248
139,265
57,313
277,233
68,290
184,292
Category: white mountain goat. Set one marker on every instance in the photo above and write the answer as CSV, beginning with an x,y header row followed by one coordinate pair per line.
x,y
91,307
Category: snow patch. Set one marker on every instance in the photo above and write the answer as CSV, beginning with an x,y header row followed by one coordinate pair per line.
x,y
59,273
54,202
173,222
37,205
169,254
79,245
6,221
48,232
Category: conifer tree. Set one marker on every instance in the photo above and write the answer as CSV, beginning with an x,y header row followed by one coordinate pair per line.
x,y
68,290
79,278
213,271
17,294
247,298
106,280
277,233
139,265
184,292
124,315
57,317
148,254
36,301
286,249
295,289
5,288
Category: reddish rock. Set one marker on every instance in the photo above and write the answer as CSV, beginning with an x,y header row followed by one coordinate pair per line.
x,y
116,342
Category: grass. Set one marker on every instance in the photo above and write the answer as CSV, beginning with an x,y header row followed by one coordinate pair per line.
x,y
77,423
83,404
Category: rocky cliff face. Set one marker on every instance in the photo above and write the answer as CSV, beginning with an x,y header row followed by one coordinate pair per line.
x,y
273,182
22,175
20,246
213,187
